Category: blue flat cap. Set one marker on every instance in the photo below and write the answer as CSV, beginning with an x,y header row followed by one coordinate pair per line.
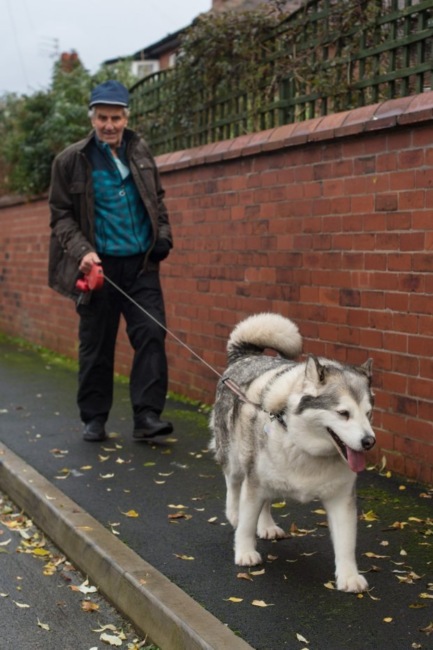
x,y
109,92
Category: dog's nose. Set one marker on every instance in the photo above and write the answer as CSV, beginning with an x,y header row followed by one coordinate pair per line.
x,y
368,442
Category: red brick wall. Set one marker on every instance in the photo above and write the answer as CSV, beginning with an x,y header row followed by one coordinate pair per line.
x,y
328,222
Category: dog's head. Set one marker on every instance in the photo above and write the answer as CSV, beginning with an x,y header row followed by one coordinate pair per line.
x,y
333,413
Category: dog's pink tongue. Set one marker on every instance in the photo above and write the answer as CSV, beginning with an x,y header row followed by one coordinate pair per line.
x,y
356,460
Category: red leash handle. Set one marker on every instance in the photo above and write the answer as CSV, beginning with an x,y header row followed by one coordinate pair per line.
x,y
92,281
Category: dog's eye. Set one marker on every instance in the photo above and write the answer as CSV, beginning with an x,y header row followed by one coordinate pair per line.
x,y
344,414
370,415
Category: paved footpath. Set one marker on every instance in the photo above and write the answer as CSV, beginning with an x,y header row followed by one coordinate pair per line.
x,y
146,523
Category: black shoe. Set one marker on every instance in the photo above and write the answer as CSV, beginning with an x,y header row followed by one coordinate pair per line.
x,y
150,426
94,431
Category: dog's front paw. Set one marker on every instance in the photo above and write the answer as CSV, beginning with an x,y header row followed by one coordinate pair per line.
x,y
271,532
248,558
353,582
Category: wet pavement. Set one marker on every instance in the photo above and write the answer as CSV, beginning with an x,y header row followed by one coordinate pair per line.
x,y
159,507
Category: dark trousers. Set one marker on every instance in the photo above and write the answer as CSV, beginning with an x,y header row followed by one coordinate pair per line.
x,y
98,328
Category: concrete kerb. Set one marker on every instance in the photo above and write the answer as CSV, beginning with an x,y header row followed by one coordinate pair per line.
x,y
157,608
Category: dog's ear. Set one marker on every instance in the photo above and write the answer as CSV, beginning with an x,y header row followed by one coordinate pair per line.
x,y
315,372
367,368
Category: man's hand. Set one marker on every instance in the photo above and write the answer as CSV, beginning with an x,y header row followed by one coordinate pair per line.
x,y
88,261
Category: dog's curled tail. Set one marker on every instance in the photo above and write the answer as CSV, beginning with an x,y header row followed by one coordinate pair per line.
x,y
267,330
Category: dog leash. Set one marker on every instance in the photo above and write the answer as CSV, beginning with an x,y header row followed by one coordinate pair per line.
x,y
94,280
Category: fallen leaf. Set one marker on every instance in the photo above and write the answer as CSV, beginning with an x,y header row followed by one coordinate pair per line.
x,y
369,516
109,626
388,619
244,576
88,606
131,513
302,639
233,599
22,605
44,626
329,585
425,595
180,515
111,639
84,588
280,504
184,557
427,630
41,552
261,603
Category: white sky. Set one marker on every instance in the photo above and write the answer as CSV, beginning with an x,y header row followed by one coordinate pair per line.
x,y
97,29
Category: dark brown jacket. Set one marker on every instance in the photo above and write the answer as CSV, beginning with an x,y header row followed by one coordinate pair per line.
x,y
72,208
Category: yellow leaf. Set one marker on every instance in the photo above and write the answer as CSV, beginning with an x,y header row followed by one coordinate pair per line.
x,y
179,507
41,552
149,464
233,599
86,467
131,513
261,603
244,576
425,595
320,511
301,638
370,554
369,516
280,504
329,585
259,572
22,605
388,619
184,557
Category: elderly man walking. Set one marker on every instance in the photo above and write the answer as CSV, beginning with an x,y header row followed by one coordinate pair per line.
x,y
107,207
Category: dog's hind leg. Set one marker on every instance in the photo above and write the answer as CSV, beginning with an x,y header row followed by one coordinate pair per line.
x,y
250,505
267,528
342,520
233,484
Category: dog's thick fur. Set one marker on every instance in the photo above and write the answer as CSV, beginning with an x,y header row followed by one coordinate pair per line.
x,y
311,449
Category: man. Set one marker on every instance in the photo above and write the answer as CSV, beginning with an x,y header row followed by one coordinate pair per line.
x,y
107,208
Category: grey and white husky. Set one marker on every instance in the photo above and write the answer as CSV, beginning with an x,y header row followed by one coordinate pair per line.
x,y
290,429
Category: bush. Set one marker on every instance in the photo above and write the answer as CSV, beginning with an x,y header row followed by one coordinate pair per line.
x,y
33,129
